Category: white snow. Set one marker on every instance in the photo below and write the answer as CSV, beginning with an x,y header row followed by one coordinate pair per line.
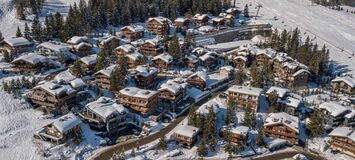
x,y
137,92
66,122
284,118
106,107
188,131
333,108
245,90
348,80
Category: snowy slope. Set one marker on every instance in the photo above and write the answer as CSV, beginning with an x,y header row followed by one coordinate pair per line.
x,y
9,23
333,28
18,123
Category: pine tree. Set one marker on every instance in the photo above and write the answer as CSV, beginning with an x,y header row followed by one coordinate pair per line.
x,y
7,57
255,75
27,32
239,78
1,37
246,10
162,145
76,69
20,11
230,119
18,32
315,127
273,97
202,148
249,117
36,29
210,129
118,76
174,49
260,138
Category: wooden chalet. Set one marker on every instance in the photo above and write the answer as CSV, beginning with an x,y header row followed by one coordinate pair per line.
x,y
158,25
264,56
172,92
105,115
139,100
163,61
132,32
218,22
31,63
333,112
145,76
80,46
245,96
102,77
200,19
182,23
198,80
186,135
293,74
282,125
88,63
15,45
52,95
60,130
233,11
191,62
278,60
343,140
240,62
110,42
290,105
210,60
53,49
228,18
151,48
238,134
124,50
344,85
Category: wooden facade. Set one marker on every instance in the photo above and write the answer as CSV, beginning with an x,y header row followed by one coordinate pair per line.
x,y
15,45
282,125
342,140
200,20
110,42
198,80
172,92
186,136
245,96
344,85
145,77
181,23
163,61
139,100
150,48
158,25
132,32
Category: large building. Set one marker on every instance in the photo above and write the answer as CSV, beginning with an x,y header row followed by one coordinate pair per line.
x,y
103,77
30,63
186,136
245,96
15,45
344,85
172,92
139,100
105,115
343,140
333,112
282,125
132,32
158,25
145,76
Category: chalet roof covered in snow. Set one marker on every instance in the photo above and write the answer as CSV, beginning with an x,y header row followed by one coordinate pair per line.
x,y
171,86
300,71
32,58
206,28
128,48
205,108
245,90
146,71
243,58
89,60
241,130
199,50
209,55
17,41
66,122
107,71
181,19
192,58
284,118
109,39
165,57
268,52
231,10
137,92
134,28
55,88
217,19
281,57
216,78
134,56
201,74
351,114
161,20
106,107
227,68
187,131
78,82
77,39
290,101
82,44
342,132
200,16
281,92
54,46
334,108
348,80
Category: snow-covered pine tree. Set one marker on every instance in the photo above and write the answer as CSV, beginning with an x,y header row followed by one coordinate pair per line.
x,y
27,32
18,32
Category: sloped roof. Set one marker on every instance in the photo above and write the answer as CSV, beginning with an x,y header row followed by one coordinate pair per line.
x,y
245,90
105,107
32,58
283,118
17,41
334,108
348,80
137,92
66,122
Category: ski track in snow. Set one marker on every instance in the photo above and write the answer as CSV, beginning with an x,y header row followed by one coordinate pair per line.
x,y
333,28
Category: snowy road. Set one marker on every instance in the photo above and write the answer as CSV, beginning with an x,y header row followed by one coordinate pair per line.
x,y
333,28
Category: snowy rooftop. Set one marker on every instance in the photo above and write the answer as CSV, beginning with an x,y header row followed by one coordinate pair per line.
x,y
334,108
290,101
199,50
343,132
284,118
159,19
172,86
18,41
201,74
188,131
109,39
216,78
268,52
54,88
82,44
146,71
134,28
281,92
243,58
165,57
205,108
181,19
134,56
301,71
89,60
351,114
105,107
77,83
206,28
128,48
245,90
348,80
241,130
107,71
192,58
77,39
32,58
200,16
137,92
227,68
66,122
54,46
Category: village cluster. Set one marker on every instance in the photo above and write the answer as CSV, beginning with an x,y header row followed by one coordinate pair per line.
x,y
158,90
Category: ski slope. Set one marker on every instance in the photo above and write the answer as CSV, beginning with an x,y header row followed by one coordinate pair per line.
x,y
335,29
9,22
